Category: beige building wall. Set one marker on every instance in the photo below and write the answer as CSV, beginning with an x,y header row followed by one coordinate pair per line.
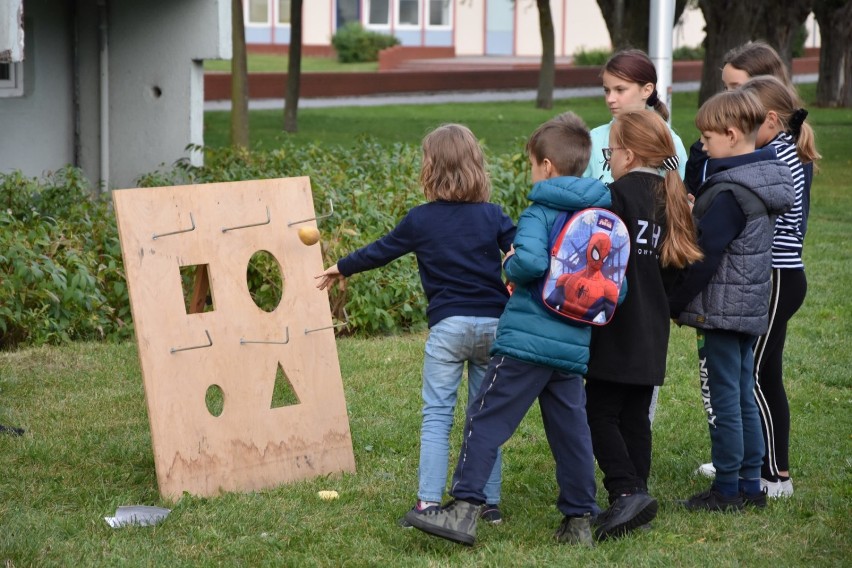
x,y
317,22
469,32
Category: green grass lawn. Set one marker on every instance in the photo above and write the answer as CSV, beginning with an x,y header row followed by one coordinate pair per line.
x,y
271,63
501,126
88,448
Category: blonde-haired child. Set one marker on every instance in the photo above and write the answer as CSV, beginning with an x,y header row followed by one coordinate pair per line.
x,y
535,355
628,355
786,131
725,296
458,238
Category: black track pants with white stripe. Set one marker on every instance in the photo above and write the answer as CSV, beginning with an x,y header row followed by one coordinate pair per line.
x,y
789,287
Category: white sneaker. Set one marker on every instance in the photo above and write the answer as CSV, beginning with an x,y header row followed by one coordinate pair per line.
x,y
706,469
776,489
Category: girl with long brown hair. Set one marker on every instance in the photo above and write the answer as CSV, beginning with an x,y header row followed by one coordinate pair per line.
x,y
628,355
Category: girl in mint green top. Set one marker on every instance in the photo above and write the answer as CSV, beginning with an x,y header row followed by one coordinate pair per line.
x,y
630,84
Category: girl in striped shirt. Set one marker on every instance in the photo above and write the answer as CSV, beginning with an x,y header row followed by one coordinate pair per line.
x,y
785,130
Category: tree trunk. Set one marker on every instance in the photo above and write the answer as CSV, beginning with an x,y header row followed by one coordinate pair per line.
x,y
834,86
294,68
239,79
547,72
778,24
728,23
628,21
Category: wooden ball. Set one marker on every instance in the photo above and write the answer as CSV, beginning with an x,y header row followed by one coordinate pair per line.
x,y
309,235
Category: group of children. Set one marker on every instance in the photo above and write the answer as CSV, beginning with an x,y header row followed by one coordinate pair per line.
x,y
710,266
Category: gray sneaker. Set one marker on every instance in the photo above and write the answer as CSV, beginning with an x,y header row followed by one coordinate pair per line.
x,y
576,530
455,522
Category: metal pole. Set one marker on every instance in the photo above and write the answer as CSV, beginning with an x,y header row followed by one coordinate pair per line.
x,y
660,47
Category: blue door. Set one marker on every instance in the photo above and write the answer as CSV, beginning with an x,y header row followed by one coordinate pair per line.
x,y
500,27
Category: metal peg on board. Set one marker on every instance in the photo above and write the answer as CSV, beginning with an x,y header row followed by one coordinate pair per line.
x,y
156,236
285,342
209,344
345,323
268,220
317,218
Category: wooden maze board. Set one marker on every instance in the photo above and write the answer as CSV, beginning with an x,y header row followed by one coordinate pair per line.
x,y
184,351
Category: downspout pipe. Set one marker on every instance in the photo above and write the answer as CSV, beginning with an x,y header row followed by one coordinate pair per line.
x,y
103,48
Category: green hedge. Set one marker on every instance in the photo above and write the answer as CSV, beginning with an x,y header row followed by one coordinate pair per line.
x,y
354,44
61,275
62,278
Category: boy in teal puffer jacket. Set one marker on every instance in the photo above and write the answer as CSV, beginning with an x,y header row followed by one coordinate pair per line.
x,y
535,355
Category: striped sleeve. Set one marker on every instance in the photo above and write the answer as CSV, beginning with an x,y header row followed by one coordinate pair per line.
x,y
789,227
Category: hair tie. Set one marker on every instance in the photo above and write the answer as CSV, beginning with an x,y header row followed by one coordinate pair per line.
x,y
670,164
796,122
653,99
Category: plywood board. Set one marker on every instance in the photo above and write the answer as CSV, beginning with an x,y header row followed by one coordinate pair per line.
x,y
236,346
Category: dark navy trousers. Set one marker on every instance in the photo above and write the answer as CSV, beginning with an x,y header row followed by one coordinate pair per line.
x,y
508,391
726,371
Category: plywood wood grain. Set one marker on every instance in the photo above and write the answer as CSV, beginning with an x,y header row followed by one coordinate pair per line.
x,y
250,445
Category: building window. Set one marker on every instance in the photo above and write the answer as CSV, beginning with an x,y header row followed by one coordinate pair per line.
x,y
11,80
439,12
284,12
379,12
409,12
258,12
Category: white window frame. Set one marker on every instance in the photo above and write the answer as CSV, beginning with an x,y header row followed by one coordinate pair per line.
x,y
446,26
14,85
247,14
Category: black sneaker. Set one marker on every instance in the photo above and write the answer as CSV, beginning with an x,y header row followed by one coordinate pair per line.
x,y
713,500
406,525
491,514
455,522
576,530
755,500
628,512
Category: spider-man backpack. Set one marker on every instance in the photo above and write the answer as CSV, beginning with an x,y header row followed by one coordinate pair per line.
x,y
588,258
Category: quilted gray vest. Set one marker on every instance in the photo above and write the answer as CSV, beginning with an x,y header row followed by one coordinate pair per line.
x,y
737,297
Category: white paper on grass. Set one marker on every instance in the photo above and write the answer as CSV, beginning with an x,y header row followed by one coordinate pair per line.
x,y
137,515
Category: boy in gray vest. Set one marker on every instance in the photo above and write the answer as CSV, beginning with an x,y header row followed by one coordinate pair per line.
x,y
726,295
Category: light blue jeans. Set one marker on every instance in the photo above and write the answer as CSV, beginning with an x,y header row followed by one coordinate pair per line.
x,y
452,342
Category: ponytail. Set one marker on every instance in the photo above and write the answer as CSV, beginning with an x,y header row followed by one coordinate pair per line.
x,y
655,103
680,244
806,145
650,139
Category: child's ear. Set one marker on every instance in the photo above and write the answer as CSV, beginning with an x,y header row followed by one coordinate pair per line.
x,y
772,119
733,136
548,168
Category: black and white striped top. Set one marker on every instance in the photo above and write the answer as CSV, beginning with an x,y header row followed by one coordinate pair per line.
x,y
791,226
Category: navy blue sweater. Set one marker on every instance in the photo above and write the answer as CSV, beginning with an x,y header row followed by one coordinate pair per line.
x,y
458,248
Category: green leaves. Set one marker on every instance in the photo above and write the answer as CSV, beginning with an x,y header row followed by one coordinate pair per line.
x,y
60,271
355,44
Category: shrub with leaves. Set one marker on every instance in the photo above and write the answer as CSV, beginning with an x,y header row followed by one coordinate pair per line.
x,y
355,44
371,187
61,275
61,272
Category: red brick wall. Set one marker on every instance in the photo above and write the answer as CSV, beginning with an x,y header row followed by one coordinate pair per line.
x,y
217,86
